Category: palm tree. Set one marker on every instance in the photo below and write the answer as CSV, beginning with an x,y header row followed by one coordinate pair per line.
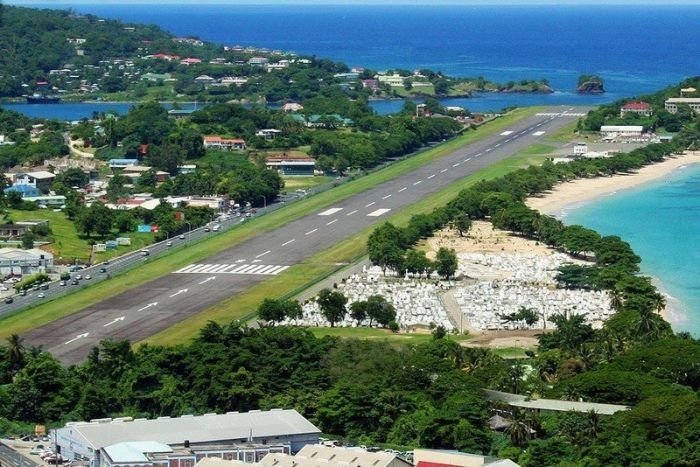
x,y
616,300
15,353
649,324
519,431
593,419
659,302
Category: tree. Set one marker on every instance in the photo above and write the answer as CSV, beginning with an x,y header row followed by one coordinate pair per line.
x,y
14,199
380,310
277,310
446,262
418,263
358,311
15,353
28,240
462,223
332,304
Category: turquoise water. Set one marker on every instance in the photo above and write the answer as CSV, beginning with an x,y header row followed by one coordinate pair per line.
x,y
662,223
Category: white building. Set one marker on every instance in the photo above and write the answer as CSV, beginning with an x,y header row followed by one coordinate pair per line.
x,y
87,440
672,104
621,131
580,149
16,261
268,133
392,80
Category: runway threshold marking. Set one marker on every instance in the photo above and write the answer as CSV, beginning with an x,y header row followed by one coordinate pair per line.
x,y
538,133
378,212
238,269
330,212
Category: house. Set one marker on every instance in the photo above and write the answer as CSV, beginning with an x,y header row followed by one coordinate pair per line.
x,y
394,80
372,84
190,61
231,431
228,144
282,64
621,131
291,164
13,231
186,169
237,81
347,76
204,79
21,262
323,121
5,142
268,133
444,458
637,108
122,163
580,149
258,61
177,114
27,191
553,405
162,56
292,107
672,104
155,77
40,180
47,201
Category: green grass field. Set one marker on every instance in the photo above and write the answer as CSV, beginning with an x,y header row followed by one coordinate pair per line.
x,y
380,334
294,278
304,183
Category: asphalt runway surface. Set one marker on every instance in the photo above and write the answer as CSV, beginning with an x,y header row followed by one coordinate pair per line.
x,y
158,304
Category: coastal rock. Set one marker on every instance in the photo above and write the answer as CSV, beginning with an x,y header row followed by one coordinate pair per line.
x,y
592,86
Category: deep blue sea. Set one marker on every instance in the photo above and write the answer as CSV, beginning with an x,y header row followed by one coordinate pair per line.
x,y
661,220
636,49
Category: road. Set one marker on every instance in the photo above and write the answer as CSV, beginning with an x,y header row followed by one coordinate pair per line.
x,y
158,304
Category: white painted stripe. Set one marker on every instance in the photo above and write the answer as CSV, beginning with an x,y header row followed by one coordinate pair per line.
x,y
387,197
351,213
432,176
538,133
187,268
248,268
266,269
477,155
240,261
226,269
280,270
443,171
257,269
263,254
207,269
310,232
288,242
418,182
467,159
239,269
332,222
498,145
378,212
403,189
219,268
506,133
488,150
455,165
330,212
370,204
197,268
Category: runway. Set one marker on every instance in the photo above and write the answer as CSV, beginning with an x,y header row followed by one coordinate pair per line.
x,y
158,304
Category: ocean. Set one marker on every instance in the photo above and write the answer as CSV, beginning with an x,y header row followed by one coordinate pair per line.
x,y
636,49
661,222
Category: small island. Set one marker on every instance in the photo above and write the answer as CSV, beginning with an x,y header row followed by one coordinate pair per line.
x,y
590,84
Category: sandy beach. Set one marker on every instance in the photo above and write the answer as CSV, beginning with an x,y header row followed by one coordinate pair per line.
x,y
578,191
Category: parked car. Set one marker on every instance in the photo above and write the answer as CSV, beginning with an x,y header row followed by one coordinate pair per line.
x,y
207,229
103,270
88,277
41,295
44,287
74,282
182,236
79,277
216,228
145,252
62,283
169,244
23,292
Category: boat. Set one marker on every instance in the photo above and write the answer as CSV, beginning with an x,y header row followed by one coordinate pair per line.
x,y
43,99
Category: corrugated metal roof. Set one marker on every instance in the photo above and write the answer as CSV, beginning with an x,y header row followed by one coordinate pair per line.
x,y
198,429
135,451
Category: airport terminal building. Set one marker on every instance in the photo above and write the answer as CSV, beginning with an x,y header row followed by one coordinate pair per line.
x,y
182,441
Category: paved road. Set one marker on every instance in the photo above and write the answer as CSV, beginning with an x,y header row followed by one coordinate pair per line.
x,y
157,305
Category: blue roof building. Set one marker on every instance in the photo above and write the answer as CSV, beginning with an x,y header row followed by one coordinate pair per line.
x,y
27,191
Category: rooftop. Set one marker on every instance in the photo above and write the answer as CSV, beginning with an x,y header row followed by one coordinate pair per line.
x,y
200,429
517,400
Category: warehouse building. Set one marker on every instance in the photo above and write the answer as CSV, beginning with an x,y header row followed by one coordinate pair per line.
x,y
231,435
20,262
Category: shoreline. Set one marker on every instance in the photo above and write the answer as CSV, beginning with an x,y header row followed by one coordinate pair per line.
x,y
582,191
576,193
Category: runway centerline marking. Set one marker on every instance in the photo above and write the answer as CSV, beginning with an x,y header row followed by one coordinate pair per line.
x,y
330,212
310,232
443,171
455,164
378,212
332,222
370,204
433,175
387,197
402,189
418,182
288,242
263,254
351,213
